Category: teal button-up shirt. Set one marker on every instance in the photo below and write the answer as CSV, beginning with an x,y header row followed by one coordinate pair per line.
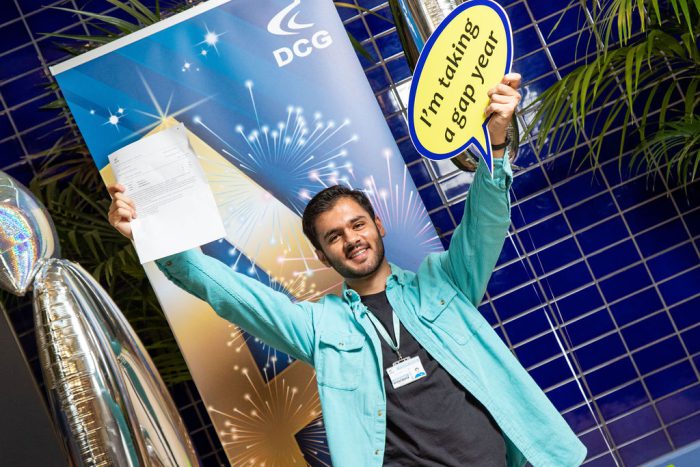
x,y
436,304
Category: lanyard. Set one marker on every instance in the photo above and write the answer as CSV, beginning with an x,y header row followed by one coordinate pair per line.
x,y
385,335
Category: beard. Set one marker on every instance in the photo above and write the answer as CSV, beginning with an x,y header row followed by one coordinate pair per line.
x,y
369,267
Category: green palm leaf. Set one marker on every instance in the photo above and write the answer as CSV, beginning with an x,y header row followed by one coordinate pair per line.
x,y
632,70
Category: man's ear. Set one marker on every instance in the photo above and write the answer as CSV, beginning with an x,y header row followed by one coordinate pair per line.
x,y
322,258
380,227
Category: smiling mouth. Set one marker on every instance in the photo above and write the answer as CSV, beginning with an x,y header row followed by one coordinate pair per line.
x,y
357,253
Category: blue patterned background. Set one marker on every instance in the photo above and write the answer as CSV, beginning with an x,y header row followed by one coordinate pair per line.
x,y
612,259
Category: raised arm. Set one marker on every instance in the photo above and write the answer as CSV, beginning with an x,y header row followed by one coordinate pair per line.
x,y
263,312
479,237
258,309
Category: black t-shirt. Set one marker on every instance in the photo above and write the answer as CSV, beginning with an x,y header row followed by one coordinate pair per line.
x,y
433,421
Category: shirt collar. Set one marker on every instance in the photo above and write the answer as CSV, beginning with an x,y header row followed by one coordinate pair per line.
x,y
397,276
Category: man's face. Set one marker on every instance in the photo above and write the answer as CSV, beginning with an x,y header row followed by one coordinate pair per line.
x,y
351,241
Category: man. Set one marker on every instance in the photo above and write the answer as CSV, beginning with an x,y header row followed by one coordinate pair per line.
x,y
408,371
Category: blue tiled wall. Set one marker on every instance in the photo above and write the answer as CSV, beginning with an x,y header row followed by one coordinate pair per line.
x,y
610,259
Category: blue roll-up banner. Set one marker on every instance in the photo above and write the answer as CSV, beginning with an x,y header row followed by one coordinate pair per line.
x,y
276,107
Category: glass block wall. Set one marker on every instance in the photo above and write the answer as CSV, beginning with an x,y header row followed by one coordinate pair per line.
x,y
610,258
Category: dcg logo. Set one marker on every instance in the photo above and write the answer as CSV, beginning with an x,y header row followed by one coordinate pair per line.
x,y
301,47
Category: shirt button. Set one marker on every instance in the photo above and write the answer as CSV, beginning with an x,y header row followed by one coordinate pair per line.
x,y
169,263
442,302
380,413
376,452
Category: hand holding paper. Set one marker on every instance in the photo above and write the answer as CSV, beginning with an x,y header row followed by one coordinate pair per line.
x,y
122,210
165,184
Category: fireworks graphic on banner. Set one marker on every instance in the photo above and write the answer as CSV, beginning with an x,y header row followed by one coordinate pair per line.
x,y
114,118
256,432
294,158
314,444
267,233
158,114
269,356
401,210
211,38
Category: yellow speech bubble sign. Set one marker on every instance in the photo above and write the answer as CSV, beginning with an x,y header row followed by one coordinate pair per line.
x,y
469,53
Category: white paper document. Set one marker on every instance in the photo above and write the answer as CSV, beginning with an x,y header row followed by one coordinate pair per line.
x,y
175,206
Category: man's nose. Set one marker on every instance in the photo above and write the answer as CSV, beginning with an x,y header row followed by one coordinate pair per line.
x,y
351,238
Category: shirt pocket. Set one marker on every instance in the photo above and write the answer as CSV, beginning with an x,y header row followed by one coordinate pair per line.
x,y
442,311
340,360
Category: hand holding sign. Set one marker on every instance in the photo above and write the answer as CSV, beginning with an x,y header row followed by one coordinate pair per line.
x,y
469,52
503,99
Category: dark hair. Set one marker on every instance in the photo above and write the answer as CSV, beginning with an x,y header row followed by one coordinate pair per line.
x,y
324,201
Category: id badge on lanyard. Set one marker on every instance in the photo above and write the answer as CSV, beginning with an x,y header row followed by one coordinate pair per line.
x,y
405,370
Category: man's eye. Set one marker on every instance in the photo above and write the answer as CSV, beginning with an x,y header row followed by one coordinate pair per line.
x,y
359,225
332,238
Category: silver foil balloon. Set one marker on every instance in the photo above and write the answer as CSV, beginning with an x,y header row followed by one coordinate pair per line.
x,y
104,390
27,235
427,14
